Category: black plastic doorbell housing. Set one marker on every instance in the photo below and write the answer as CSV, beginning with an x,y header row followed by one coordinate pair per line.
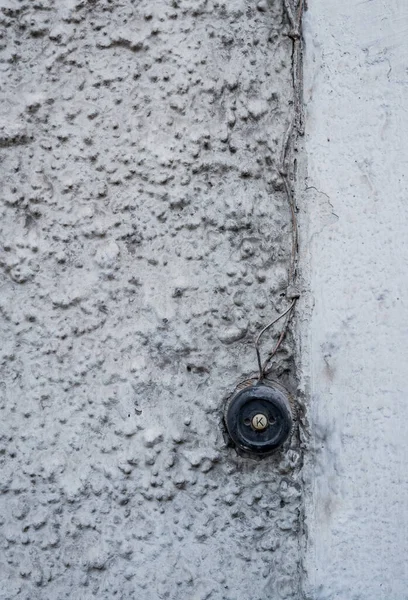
x,y
258,417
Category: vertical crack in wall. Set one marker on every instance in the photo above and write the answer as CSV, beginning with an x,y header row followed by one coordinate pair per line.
x,y
145,241
293,174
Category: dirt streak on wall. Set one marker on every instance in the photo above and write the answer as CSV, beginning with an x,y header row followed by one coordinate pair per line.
x,y
145,239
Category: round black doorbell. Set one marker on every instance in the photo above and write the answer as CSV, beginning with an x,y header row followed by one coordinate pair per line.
x,y
259,418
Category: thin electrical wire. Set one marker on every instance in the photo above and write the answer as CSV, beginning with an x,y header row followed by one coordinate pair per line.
x,y
260,334
287,147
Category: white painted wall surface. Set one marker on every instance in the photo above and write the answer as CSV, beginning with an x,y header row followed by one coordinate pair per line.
x,y
356,93
144,242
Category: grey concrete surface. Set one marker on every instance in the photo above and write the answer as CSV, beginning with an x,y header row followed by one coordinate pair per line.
x,y
355,347
145,239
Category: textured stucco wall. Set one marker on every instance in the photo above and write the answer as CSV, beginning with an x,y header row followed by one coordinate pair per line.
x,y
144,240
355,346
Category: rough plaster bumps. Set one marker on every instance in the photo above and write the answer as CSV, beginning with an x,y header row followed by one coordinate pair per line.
x,y
144,241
